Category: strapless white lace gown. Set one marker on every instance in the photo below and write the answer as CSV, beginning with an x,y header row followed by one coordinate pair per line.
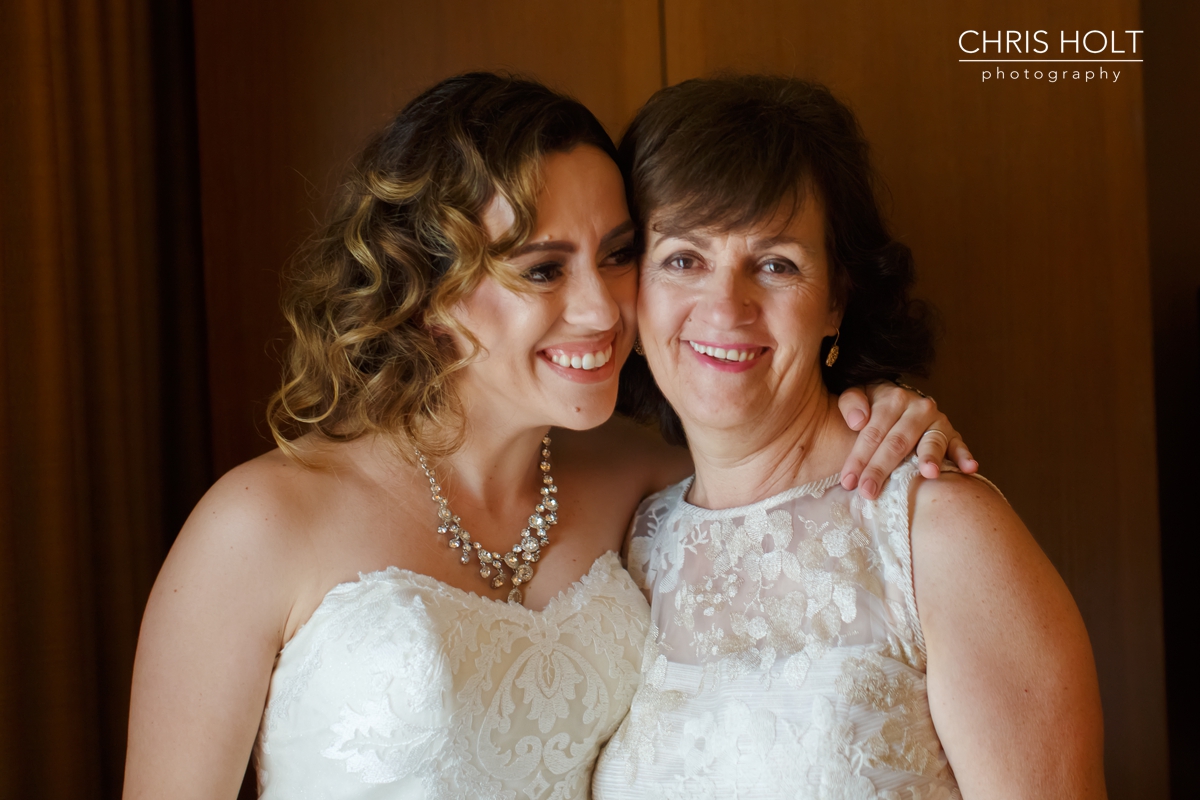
x,y
400,686
785,659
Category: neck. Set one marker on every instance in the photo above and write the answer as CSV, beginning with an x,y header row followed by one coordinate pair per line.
x,y
492,481
495,468
765,456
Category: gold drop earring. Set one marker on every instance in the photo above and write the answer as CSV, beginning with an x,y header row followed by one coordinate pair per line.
x,y
833,351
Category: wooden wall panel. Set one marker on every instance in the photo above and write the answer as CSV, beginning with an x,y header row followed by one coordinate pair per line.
x,y
1173,173
1024,202
287,93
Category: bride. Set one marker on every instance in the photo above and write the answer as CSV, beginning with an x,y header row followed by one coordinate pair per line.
x,y
416,594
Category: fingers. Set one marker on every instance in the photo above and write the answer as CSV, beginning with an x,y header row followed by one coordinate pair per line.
x,y
931,451
888,406
855,407
961,455
897,445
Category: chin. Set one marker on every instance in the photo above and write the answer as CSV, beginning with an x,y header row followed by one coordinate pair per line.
x,y
591,413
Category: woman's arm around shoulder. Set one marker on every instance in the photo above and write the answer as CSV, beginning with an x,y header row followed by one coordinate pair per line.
x,y
212,628
1012,683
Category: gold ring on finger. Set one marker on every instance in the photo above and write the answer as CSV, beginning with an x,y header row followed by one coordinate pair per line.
x,y
934,431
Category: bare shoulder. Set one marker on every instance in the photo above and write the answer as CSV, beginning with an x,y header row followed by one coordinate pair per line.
x,y
213,625
964,508
245,545
969,546
1011,681
636,451
254,507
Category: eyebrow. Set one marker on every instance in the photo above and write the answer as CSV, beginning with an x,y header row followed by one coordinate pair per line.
x,y
771,241
759,242
558,246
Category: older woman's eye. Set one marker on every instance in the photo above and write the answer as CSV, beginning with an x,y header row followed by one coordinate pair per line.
x,y
680,262
543,273
779,266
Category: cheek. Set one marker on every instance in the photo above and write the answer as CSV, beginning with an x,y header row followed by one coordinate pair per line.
x,y
624,290
505,324
660,310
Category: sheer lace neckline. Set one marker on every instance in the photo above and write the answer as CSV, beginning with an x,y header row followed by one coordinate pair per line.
x,y
811,489
510,611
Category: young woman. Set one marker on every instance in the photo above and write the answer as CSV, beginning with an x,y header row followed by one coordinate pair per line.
x,y
417,595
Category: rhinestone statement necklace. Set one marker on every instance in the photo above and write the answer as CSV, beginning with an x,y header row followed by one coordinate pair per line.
x,y
524,555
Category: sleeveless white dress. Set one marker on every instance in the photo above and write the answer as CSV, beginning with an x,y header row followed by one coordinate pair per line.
x,y
785,659
401,686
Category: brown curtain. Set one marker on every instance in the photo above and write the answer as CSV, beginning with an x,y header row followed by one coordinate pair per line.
x,y
102,423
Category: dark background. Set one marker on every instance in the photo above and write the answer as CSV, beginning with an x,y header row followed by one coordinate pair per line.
x,y
161,161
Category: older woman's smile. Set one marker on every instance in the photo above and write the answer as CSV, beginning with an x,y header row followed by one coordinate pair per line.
x,y
727,357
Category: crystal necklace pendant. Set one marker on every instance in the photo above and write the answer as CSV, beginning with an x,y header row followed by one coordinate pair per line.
x,y
516,566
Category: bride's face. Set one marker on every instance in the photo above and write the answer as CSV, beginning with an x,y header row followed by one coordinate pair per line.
x,y
551,356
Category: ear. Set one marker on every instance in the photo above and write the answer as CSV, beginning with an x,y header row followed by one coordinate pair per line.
x,y
833,322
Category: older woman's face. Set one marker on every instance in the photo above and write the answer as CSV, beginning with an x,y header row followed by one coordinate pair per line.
x,y
732,322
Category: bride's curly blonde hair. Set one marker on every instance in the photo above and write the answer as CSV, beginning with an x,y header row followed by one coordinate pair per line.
x,y
368,300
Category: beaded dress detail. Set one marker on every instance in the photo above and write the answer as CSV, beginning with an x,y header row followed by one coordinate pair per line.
x,y
401,686
785,657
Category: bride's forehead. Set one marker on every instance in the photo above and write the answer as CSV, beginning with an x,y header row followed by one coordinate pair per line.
x,y
498,217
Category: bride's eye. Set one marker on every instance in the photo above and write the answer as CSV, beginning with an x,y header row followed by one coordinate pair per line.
x,y
622,257
543,273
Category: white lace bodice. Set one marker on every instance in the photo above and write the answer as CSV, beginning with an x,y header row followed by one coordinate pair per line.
x,y
401,686
785,657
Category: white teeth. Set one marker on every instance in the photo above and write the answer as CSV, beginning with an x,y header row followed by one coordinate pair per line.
x,y
587,361
724,354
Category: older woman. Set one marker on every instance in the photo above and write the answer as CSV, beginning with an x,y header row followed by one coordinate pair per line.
x,y
807,642
417,594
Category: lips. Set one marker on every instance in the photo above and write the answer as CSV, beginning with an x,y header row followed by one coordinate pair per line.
x,y
731,355
585,361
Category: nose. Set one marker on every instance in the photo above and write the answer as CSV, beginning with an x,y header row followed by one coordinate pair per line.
x,y
589,302
728,300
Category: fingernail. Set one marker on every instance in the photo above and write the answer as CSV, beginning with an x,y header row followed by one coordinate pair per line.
x,y
855,419
868,487
849,480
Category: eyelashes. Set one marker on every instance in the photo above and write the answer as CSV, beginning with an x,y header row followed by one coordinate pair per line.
x,y
543,273
683,262
552,271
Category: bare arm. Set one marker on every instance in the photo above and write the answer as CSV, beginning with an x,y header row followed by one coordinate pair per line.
x,y
1012,683
212,628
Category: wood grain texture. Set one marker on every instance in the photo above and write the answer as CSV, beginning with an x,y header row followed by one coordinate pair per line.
x,y
1025,204
1173,172
288,92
